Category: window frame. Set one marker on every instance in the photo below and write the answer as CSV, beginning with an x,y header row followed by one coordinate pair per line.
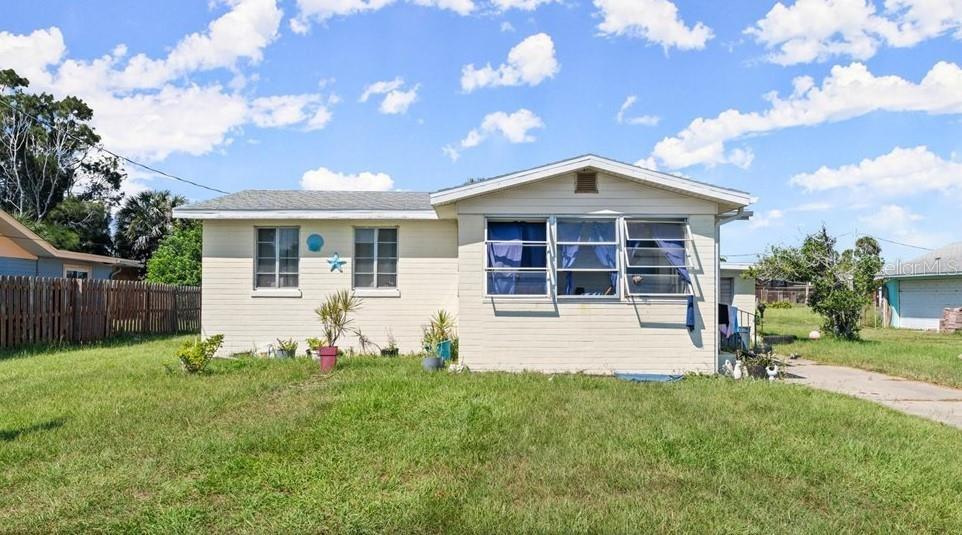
x,y
549,257
277,258
687,241
77,269
617,243
374,260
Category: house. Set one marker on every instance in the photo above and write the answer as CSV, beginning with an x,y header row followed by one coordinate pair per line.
x,y
22,252
915,293
583,265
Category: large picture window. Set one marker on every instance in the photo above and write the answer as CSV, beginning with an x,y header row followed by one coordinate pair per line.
x,y
587,257
375,257
516,257
277,258
656,256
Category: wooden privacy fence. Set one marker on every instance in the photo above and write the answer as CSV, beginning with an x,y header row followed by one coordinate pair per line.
x,y
35,310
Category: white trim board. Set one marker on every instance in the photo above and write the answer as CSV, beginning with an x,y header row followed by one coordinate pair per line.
x,y
307,214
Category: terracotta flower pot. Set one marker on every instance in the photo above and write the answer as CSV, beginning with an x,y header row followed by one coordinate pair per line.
x,y
328,358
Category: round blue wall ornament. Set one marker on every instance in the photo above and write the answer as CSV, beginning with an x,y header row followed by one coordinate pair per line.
x,y
315,242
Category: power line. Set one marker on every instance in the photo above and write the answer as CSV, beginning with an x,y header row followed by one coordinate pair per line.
x,y
900,243
120,156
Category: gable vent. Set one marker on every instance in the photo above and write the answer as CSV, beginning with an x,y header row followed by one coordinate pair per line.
x,y
586,183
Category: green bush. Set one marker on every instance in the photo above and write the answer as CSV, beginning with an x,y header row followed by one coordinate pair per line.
x,y
780,305
195,354
178,258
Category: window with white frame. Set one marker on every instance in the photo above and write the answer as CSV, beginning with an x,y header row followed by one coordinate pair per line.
x,y
375,257
277,260
516,257
656,257
76,272
587,257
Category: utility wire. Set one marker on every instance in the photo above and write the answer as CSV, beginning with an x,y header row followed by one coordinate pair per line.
x,y
900,243
116,155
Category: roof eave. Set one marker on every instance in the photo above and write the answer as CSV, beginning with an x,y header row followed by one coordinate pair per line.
x,y
305,214
727,197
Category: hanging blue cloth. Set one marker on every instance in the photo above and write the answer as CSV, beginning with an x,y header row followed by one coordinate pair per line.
x,y
690,315
569,253
511,253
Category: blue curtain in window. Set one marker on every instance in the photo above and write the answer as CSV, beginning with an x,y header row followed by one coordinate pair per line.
x,y
674,250
606,254
569,253
513,255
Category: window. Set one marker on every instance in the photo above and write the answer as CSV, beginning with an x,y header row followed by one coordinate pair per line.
x,y
516,257
74,272
587,257
375,258
656,257
277,258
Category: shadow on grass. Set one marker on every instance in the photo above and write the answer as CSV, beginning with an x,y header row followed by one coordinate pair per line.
x,y
117,341
8,435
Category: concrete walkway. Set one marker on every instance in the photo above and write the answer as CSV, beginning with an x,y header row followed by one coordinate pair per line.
x,y
939,403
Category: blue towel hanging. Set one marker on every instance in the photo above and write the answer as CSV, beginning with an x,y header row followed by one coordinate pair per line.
x,y
690,316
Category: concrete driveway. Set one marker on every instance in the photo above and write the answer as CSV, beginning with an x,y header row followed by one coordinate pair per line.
x,y
939,403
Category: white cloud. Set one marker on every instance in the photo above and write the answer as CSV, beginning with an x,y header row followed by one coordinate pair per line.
x,y
396,100
514,127
321,10
656,21
507,27
323,178
643,120
530,62
815,30
523,5
849,91
894,221
898,173
766,219
813,207
144,109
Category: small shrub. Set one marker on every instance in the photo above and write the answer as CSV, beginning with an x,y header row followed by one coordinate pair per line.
x,y
288,347
195,354
441,328
780,305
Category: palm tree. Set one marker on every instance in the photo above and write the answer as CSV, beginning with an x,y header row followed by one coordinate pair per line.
x,y
143,221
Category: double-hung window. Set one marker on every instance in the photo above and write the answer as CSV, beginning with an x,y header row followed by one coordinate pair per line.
x,y
587,257
656,255
277,257
375,257
516,257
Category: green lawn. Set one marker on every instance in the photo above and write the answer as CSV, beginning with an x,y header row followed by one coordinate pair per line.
x,y
106,439
927,356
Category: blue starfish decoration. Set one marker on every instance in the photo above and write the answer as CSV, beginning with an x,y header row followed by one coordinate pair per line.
x,y
336,263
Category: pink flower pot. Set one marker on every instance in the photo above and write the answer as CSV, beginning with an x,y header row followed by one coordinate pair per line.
x,y
328,358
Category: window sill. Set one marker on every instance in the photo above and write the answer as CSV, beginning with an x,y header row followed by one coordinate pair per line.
x,y
377,292
294,293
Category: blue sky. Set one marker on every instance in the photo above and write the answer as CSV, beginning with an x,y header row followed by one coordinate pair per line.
x,y
846,112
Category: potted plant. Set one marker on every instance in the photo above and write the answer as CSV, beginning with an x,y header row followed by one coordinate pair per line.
x,y
439,338
286,348
314,345
391,350
335,316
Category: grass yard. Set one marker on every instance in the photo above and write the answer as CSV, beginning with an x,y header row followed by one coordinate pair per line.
x,y
926,356
106,439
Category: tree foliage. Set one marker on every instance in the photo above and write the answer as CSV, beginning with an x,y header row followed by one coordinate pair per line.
x,y
143,221
177,259
841,283
48,152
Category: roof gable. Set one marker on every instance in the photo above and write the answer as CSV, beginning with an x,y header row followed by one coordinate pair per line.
x,y
727,197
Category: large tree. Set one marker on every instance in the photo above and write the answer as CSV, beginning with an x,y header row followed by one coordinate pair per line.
x,y
178,258
143,221
48,152
76,225
842,284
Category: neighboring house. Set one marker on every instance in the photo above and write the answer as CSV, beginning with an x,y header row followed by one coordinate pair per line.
x,y
739,292
587,264
915,293
22,252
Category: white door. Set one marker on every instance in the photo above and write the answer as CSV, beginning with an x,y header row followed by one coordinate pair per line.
x,y
921,301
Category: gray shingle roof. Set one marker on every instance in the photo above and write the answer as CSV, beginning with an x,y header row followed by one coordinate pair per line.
x,y
253,199
942,261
